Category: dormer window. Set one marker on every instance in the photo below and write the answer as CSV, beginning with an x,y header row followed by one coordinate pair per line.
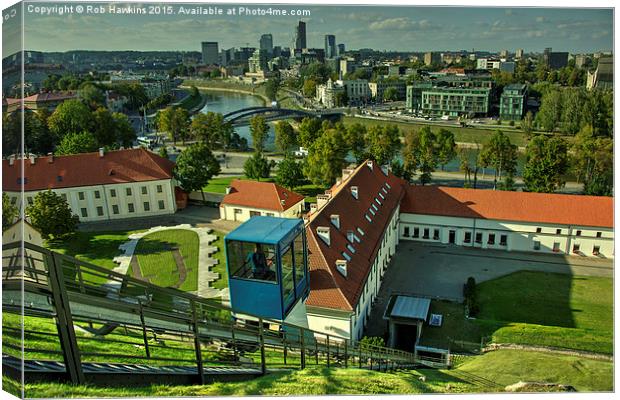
x,y
355,192
323,233
384,190
335,220
341,266
350,248
378,201
375,207
370,164
381,195
372,211
388,185
346,256
368,218
361,232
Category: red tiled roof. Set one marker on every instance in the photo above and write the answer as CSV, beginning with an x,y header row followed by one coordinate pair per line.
x,y
561,209
53,96
119,166
328,288
263,195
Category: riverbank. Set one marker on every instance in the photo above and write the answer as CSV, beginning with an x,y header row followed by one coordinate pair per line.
x,y
219,86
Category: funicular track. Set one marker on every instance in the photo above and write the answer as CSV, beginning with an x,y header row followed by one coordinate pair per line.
x,y
84,323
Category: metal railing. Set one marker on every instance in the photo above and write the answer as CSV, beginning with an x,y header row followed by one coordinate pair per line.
x,y
76,312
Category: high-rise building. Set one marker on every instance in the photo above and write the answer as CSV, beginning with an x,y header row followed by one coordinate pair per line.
x,y
519,53
258,61
503,54
266,43
432,58
330,46
300,36
210,53
555,60
341,49
226,56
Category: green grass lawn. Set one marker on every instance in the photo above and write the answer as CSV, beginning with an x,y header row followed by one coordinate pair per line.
x,y
219,185
548,309
156,260
467,135
507,367
98,248
455,328
220,268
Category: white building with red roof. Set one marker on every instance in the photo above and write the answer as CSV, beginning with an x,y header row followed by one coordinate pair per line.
x,y
245,199
98,186
354,228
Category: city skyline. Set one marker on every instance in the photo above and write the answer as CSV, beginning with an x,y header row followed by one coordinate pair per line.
x,y
419,29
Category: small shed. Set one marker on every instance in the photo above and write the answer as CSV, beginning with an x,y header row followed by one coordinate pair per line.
x,y
406,316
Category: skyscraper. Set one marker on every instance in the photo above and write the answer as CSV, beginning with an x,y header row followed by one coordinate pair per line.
x,y
519,53
210,53
300,36
341,49
330,46
266,43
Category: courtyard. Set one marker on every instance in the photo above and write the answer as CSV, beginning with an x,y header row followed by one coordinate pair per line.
x,y
529,299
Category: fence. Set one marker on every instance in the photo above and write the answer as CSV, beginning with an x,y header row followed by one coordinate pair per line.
x,y
86,316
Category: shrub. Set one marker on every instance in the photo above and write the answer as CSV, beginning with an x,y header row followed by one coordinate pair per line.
x,y
471,300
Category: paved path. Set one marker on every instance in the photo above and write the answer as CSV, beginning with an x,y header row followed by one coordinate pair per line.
x,y
205,261
439,271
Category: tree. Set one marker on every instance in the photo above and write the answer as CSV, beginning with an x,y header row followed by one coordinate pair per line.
x,y
427,154
500,154
259,131
51,215
527,124
195,166
446,147
469,164
399,170
290,173
309,131
69,117
546,163
37,137
91,95
75,143
174,121
271,88
125,134
104,128
208,128
326,158
383,143
572,106
390,94
309,88
355,139
592,162
285,137
9,212
163,152
550,112
257,166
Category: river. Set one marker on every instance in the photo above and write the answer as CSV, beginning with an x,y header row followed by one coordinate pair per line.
x,y
225,102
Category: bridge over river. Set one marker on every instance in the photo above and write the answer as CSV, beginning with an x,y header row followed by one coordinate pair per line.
x,y
242,117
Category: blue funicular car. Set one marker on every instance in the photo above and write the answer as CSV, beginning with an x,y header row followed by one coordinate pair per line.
x,y
267,266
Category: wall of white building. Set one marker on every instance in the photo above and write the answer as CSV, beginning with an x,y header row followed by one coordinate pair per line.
x,y
116,201
510,236
241,214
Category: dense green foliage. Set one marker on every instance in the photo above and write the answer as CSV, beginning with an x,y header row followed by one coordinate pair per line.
x,y
51,215
9,212
195,166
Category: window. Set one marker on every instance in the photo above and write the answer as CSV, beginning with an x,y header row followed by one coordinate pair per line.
x,y
538,230
578,233
375,207
159,189
143,189
368,218
81,195
599,234
237,211
161,204
249,260
479,238
147,206
84,213
341,266
406,231
361,232
112,192
467,238
130,207
115,209
254,214
426,233
270,214
346,256
556,246
416,232
14,199
436,234
351,248
128,191
558,231
503,240
99,211
372,211
97,194
491,238
576,247
536,245
596,250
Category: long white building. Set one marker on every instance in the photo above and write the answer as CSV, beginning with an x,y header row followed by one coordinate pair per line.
x,y
355,227
97,186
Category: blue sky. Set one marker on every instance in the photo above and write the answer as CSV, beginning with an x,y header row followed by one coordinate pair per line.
x,y
382,28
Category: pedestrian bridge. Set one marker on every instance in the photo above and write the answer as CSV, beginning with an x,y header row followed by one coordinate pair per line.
x,y
242,117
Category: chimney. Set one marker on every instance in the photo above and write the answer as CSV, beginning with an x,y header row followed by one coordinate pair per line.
x,y
228,190
12,159
385,169
50,157
323,232
355,192
346,173
313,208
101,152
335,219
321,200
369,163
32,159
